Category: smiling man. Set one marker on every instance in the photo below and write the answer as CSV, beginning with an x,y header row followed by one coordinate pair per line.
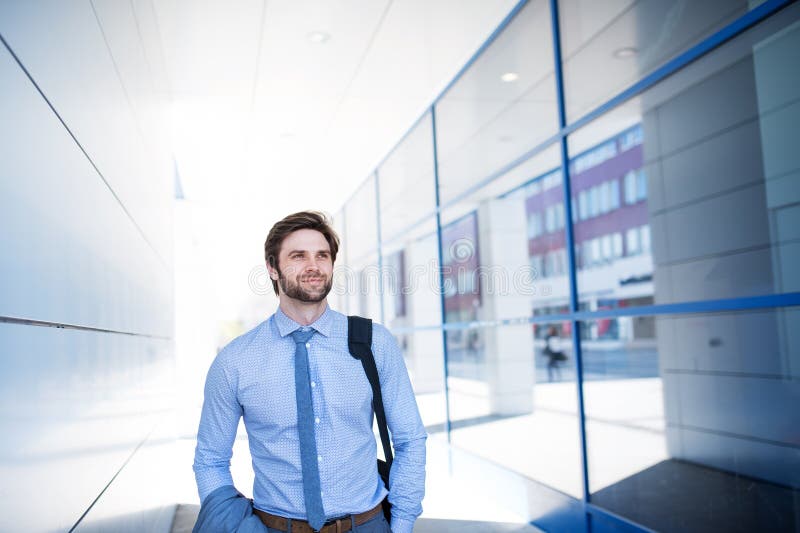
x,y
307,408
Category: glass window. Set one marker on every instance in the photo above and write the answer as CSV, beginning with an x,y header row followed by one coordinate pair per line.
x,y
359,287
604,193
524,417
691,419
534,224
644,239
597,253
411,305
593,202
632,241
630,188
608,253
410,278
493,269
501,107
583,202
614,194
608,46
406,181
641,185
617,244
712,183
537,264
550,219
361,222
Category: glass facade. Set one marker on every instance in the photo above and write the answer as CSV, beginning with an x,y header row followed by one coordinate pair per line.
x,y
606,307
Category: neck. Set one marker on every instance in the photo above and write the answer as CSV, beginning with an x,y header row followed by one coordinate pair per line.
x,y
304,313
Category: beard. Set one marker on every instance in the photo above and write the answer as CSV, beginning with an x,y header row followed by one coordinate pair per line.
x,y
292,289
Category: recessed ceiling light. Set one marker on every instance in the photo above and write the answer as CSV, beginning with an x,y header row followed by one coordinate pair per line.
x,y
318,37
626,52
509,77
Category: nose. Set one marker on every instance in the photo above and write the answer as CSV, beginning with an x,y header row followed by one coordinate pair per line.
x,y
312,264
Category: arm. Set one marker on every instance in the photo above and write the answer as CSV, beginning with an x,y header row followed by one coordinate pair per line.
x,y
218,423
407,477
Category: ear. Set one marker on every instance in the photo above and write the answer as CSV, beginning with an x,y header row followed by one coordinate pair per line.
x,y
273,273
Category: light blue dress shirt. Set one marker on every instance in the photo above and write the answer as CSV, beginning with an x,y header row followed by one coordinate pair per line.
x,y
253,377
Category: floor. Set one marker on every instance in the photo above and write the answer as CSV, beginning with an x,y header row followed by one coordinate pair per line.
x,y
186,515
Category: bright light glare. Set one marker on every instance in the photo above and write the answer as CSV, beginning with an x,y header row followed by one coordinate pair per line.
x,y
510,77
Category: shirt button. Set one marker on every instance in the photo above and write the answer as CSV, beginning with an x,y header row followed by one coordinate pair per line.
x,y
313,384
308,345
316,420
319,458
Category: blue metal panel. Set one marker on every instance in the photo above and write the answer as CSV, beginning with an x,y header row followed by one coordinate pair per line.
x,y
602,521
570,248
441,271
706,306
771,301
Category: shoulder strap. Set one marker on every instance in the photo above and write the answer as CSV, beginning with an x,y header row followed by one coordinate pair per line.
x,y
359,340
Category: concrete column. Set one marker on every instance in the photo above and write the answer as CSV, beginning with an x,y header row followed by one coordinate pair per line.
x,y
503,248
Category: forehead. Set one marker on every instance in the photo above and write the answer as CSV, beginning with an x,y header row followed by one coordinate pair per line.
x,y
307,240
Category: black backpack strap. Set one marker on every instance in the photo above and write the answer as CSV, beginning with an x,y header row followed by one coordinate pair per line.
x,y
359,340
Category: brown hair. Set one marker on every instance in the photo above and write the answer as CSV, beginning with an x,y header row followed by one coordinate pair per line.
x,y
302,220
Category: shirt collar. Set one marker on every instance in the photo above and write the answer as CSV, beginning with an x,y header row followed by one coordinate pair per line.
x,y
321,325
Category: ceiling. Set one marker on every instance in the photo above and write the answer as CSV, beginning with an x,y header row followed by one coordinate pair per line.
x,y
262,113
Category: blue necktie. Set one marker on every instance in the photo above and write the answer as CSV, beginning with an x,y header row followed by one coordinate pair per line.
x,y
312,488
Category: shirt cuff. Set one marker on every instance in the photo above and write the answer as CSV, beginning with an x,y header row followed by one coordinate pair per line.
x,y
400,525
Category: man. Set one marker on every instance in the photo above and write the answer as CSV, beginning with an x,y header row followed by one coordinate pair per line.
x,y
306,404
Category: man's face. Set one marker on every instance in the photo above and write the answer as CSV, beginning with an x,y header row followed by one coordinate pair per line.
x,y
305,266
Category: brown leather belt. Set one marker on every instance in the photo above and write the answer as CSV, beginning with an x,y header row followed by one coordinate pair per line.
x,y
301,526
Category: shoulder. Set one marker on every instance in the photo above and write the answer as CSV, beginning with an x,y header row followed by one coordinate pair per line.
x,y
384,346
239,348
381,336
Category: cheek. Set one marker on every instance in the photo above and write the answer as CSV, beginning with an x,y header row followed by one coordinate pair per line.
x,y
290,271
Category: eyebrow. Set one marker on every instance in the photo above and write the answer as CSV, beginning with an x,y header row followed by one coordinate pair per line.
x,y
306,251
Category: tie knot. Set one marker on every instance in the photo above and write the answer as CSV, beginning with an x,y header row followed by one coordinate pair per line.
x,y
301,337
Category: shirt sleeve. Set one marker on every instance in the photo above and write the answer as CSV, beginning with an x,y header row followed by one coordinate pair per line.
x,y
407,477
218,424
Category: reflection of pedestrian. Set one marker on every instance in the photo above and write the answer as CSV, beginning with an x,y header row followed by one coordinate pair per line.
x,y
552,350
472,345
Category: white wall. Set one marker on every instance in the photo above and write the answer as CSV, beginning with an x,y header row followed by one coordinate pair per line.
x,y
85,225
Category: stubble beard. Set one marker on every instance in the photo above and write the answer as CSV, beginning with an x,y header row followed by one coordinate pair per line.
x,y
295,291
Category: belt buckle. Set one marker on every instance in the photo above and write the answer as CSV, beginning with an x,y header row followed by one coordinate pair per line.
x,y
338,522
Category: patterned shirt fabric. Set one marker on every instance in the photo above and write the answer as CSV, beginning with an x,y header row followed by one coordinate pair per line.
x,y
253,378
